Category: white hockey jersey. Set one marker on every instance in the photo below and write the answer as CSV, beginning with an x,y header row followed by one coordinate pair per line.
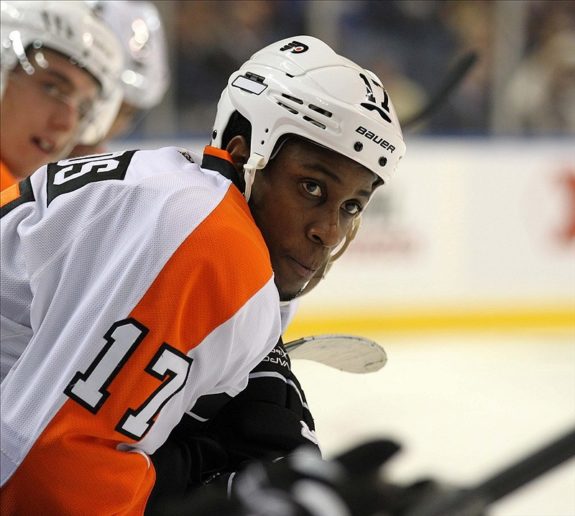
x,y
131,284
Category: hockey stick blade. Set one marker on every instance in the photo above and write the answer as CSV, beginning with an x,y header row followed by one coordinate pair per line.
x,y
473,501
347,353
451,82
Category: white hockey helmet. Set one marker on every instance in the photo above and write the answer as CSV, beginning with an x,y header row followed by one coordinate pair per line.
x,y
71,29
301,86
138,26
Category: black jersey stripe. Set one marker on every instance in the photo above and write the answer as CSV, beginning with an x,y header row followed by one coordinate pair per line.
x,y
26,195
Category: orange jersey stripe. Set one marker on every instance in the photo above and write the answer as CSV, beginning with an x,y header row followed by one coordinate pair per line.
x,y
9,194
218,153
6,178
75,467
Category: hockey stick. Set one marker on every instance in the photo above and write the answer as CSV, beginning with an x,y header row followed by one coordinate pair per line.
x,y
453,79
344,352
473,501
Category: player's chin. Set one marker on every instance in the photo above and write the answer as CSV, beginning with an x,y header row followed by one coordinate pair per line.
x,y
287,289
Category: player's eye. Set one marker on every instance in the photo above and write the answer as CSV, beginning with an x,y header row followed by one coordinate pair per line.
x,y
52,90
352,208
312,188
83,107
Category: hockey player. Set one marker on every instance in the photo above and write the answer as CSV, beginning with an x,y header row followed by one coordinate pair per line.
x,y
136,282
145,77
59,82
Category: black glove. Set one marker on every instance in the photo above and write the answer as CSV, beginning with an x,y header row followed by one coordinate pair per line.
x,y
351,485
303,484
269,419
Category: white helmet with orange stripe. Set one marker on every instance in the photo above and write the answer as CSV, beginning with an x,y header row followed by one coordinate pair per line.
x,y
301,86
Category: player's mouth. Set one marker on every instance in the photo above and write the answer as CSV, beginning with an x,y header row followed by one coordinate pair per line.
x,y
46,146
302,269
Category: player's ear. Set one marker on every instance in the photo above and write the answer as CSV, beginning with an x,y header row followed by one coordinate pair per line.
x,y
239,150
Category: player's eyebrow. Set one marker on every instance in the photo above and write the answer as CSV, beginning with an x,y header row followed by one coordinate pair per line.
x,y
322,169
55,74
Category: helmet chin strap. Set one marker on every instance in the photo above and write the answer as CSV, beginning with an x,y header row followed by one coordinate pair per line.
x,y
321,273
254,163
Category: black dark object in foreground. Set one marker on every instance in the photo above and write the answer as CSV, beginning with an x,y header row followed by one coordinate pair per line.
x,y
474,501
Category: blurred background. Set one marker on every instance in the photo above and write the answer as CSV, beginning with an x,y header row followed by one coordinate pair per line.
x,y
464,268
522,85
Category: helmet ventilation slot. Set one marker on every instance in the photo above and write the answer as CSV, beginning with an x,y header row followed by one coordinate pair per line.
x,y
290,109
321,111
314,122
293,99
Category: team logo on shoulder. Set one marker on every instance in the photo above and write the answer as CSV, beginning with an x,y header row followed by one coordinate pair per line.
x,y
186,155
68,175
295,47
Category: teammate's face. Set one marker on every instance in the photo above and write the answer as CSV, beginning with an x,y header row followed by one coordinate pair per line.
x,y
41,113
304,203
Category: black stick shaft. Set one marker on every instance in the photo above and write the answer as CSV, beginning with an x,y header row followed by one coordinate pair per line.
x,y
473,501
453,79
529,468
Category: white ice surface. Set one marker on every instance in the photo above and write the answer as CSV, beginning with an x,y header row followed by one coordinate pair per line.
x,y
462,405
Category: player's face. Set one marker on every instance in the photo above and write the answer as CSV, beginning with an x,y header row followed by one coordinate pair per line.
x,y
304,203
41,112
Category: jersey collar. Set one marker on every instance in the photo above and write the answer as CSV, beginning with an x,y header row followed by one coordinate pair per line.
x,y
221,161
